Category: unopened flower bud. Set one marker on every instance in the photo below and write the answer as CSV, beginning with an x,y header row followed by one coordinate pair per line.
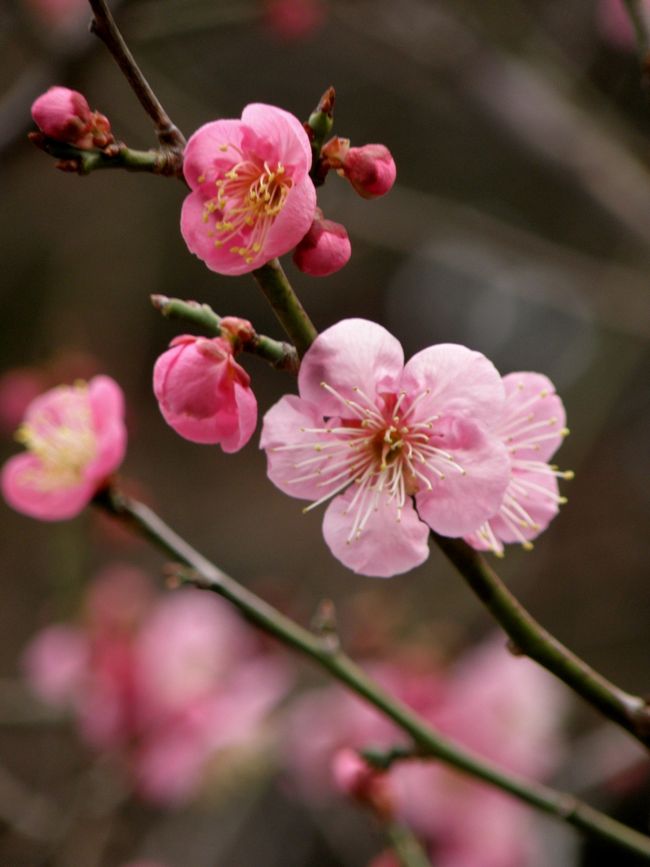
x,y
203,394
370,169
325,248
354,777
237,330
65,115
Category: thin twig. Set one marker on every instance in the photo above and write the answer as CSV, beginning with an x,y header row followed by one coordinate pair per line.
x,y
277,353
530,638
104,26
406,846
285,303
83,161
206,576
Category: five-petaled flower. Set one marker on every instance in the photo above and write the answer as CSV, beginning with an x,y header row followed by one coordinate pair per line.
x,y
381,438
252,198
75,436
532,428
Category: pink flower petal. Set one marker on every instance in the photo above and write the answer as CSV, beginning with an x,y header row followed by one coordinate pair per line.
x,y
461,502
541,508
532,394
462,382
28,490
246,416
387,545
204,152
285,130
293,221
354,353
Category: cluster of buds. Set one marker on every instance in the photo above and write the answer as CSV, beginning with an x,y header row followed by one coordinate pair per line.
x,y
65,116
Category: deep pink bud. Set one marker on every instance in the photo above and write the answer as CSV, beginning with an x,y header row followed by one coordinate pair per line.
x,y
204,394
370,169
354,777
325,248
65,115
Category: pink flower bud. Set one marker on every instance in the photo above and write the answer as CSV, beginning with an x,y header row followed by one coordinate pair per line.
x,y
204,394
325,248
370,169
65,115
354,777
237,330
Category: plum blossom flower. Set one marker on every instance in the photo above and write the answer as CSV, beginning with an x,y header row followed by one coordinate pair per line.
x,y
75,438
462,822
372,435
204,394
325,248
252,198
614,22
65,115
163,685
532,428
370,169
294,19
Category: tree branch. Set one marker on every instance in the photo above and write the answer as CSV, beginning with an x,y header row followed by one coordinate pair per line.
x,y
285,303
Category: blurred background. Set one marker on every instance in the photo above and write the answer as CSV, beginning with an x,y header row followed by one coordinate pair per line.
x,y
519,226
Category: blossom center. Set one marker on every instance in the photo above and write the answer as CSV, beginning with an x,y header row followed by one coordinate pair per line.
x,y
62,438
249,196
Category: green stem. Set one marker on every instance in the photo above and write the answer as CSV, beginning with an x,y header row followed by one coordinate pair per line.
x,y
530,638
279,293
84,161
278,354
406,846
207,576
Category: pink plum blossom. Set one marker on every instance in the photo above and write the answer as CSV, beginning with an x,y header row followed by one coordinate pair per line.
x,y
75,438
294,19
614,23
65,115
325,248
532,429
370,169
203,394
374,435
252,198
506,709
164,685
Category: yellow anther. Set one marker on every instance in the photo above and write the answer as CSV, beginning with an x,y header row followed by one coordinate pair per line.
x,y
568,475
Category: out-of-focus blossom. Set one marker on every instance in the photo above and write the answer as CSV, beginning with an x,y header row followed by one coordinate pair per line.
x,y
354,777
614,22
532,429
506,709
325,248
75,438
62,15
204,394
163,684
370,169
371,434
294,19
65,115
252,198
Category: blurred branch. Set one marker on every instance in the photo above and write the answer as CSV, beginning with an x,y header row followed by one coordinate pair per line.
x,y
406,846
279,354
83,161
206,576
531,639
104,26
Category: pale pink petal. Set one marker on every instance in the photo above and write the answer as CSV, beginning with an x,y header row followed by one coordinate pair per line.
x,y
285,130
541,507
204,154
55,663
388,544
246,417
106,400
293,221
354,353
284,425
461,502
195,234
28,490
533,396
461,382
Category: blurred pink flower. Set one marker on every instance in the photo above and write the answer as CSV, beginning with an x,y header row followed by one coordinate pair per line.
x,y
204,394
370,433
532,429
76,438
59,14
614,23
162,683
65,115
252,198
294,19
18,388
370,169
325,248
506,709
